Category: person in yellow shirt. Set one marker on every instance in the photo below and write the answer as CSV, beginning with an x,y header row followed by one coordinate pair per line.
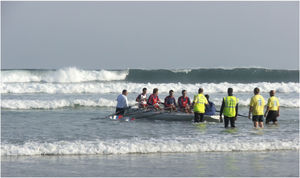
x,y
229,108
257,104
272,108
199,106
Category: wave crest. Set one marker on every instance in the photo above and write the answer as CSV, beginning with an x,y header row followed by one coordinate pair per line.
x,y
73,103
144,146
64,75
116,87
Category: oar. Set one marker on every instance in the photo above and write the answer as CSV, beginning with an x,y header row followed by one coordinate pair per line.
x,y
238,115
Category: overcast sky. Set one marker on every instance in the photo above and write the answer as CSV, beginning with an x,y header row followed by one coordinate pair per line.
x,y
118,35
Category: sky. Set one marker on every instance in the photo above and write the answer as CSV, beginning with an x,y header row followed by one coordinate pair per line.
x,y
149,35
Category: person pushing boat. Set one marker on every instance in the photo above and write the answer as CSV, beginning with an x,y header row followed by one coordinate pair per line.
x,y
199,103
170,102
272,111
153,100
142,99
184,102
257,104
229,109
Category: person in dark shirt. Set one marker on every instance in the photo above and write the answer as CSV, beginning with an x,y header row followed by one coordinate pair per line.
x,y
170,102
210,109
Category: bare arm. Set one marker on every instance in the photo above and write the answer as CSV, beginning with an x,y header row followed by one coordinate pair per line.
x,y
236,110
267,110
222,108
250,110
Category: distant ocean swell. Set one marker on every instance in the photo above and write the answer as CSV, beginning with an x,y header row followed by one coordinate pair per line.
x,y
75,75
77,103
127,146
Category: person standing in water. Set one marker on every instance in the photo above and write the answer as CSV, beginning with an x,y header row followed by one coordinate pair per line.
x,y
229,108
272,111
122,103
199,103
257,104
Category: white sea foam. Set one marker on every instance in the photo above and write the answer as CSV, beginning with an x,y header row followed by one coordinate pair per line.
x,y
116,87
125,146
64,75
102,102
56,104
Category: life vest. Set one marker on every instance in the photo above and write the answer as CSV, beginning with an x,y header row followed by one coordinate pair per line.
x,y
184,103
200,102
143,99
230,105
153,100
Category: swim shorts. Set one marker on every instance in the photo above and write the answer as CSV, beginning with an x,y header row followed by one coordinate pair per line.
x,y
258,118
272,116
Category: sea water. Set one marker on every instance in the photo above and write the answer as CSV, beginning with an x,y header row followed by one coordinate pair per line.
x,y
53,123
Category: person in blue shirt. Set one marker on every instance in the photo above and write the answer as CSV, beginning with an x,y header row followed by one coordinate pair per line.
x,y
210,109
170,102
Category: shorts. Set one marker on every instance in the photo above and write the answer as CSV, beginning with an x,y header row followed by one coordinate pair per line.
x,y
258,118
272,116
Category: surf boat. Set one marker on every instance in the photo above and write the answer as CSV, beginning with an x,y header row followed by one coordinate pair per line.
x,y
163,115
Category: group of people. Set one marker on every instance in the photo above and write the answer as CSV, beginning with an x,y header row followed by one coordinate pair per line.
x,y
202,106
183,102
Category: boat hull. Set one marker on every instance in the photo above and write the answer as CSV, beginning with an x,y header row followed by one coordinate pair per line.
x,y
170,116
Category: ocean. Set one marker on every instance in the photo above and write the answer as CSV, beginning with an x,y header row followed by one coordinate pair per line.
x,y
53,123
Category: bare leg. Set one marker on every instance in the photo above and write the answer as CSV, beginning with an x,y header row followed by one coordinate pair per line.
x,y
255,124
261,124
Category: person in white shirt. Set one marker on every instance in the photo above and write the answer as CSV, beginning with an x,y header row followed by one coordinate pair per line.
x,y
142,99
122,102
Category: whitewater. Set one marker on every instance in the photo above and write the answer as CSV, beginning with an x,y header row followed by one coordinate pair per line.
x,y
63,113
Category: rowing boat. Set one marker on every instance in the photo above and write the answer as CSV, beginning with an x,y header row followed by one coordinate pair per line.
x,y
162,115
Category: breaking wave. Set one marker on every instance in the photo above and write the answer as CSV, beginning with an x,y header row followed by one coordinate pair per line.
x,y
214,75
128,146
75,103
64,75
117,87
